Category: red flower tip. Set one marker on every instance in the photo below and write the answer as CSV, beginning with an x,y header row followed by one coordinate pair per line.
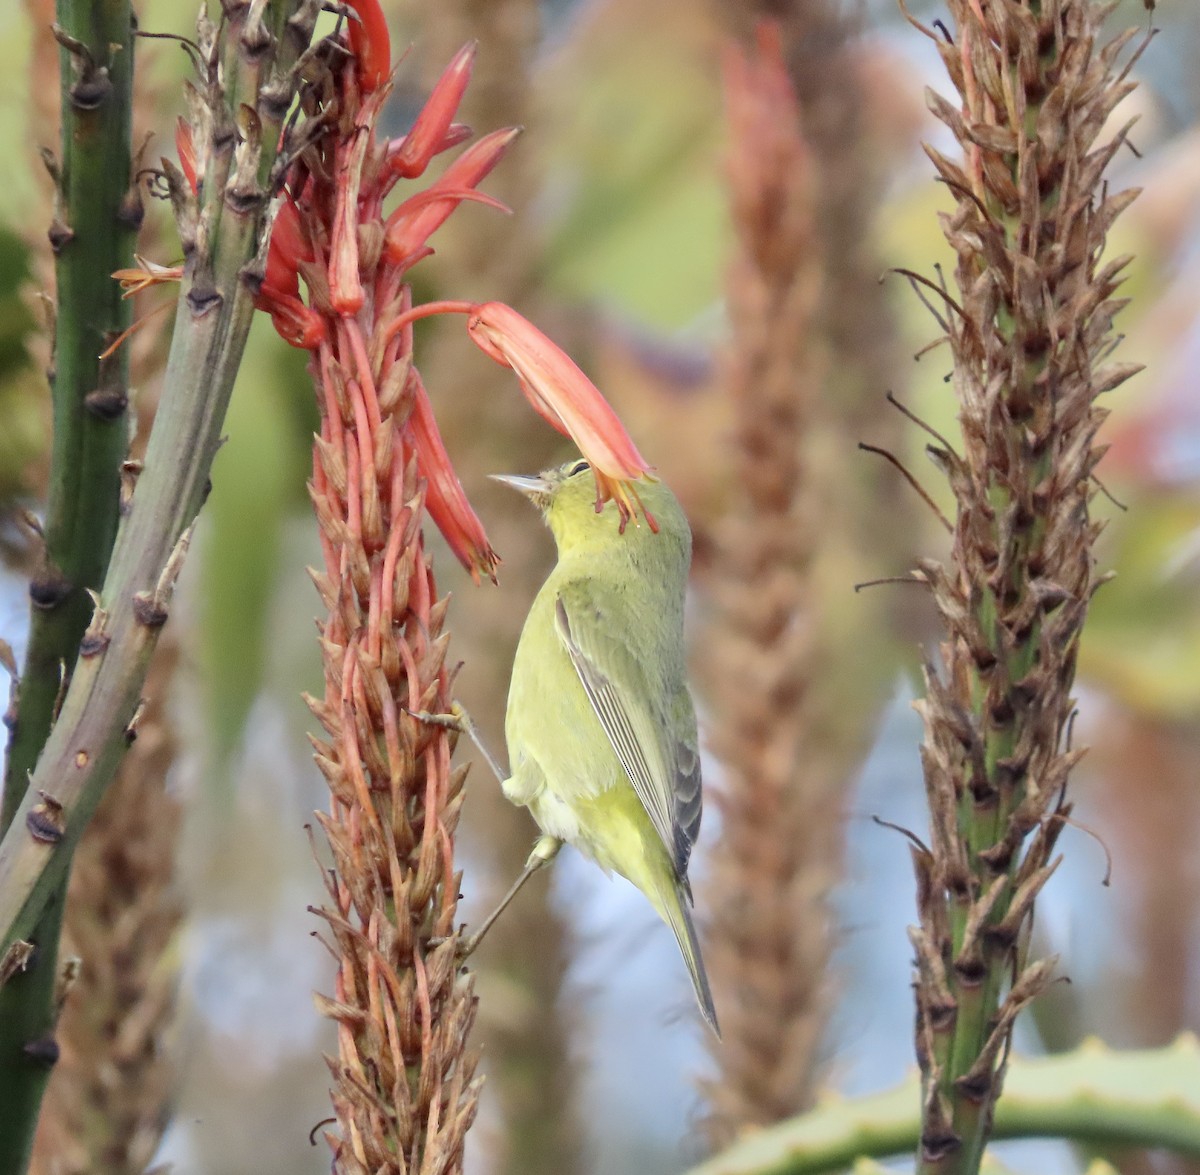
x,y
187,151
287,237
415,221
371,44
445,498
296,323
287,250
457,132
565,397
432,127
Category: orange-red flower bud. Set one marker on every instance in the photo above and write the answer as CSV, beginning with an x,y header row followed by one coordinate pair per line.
x,y
371,44
287,238
432,126
557,388
345,285
445,498
296,323
416,220
565,397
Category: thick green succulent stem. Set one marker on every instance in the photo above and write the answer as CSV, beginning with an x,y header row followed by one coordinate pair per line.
x,y
96,217
246,84
1097,1097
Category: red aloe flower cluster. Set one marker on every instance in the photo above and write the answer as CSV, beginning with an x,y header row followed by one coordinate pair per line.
x,y
331,233
335,284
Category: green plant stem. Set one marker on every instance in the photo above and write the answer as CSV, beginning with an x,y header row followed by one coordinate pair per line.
x,y
95,223
1031,357
96,217
247,82
1094,1096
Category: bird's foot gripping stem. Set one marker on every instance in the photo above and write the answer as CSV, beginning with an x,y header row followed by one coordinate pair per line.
x,y
545,849
458,719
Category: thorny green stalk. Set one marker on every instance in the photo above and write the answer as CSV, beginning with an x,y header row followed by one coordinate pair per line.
x,y
245,86
1030,332
95,222
107,1103
96,217
1095,1096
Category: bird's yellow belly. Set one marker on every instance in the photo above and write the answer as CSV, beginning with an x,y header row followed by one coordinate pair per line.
x,y
611,827
565,770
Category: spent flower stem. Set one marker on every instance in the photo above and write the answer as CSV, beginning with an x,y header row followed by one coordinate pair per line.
x,y
1030,332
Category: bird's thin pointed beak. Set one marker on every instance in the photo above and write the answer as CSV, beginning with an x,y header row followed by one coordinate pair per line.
x,y
530,486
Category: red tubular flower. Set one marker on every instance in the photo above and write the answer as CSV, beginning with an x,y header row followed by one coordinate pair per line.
x,y
445,498
416,220
457,132
288,245
566,398
559,392
430,133
371,44
296,323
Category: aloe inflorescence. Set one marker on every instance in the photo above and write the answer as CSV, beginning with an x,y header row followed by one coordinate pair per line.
x,y
769,939
336,284
1029,325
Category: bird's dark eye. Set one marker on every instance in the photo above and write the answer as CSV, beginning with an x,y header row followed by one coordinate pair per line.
x,y
578,467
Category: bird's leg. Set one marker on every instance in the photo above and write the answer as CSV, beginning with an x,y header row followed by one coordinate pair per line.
x,y
458,719
545,849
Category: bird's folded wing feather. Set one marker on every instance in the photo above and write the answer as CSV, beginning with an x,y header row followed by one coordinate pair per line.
x,y
664,770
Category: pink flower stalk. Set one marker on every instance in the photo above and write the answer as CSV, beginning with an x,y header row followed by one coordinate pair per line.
x,y
335,283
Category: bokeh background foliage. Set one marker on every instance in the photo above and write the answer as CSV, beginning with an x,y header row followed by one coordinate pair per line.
x,y
619,246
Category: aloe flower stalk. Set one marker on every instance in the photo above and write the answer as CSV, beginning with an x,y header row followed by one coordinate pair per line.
x,y
1030,328
404,1084
527,1036
780,796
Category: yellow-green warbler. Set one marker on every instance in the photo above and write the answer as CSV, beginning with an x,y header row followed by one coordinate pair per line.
x,y
601,729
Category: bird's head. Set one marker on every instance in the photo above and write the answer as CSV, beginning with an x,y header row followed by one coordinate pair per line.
x,y
566,496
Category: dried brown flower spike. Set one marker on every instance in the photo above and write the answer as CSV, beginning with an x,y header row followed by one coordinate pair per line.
x,y
1030,331
768,938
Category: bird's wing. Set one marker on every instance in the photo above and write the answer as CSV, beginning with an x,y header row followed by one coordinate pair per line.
x,y
688,797
665,771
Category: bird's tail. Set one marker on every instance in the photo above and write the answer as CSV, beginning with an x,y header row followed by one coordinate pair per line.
x,y
674,908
